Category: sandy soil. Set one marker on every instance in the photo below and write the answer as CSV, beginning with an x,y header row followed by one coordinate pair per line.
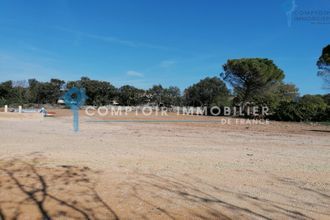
x,y
162,170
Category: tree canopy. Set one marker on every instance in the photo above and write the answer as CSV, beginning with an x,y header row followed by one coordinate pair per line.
x,y
164,96
130,95
251,77
207,92
98,92
325,56
255,82
323,64
307,108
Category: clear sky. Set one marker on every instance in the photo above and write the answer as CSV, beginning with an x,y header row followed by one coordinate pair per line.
x,y
146,42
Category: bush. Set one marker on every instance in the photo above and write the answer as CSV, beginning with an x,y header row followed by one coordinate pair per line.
x,y
2,102
326,98
308,108
325,115
288,111
207,92
313,107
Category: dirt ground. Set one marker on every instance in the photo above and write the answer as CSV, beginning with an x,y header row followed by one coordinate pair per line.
x,y
173,167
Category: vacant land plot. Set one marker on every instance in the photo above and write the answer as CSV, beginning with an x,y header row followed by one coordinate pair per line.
x,y
162,169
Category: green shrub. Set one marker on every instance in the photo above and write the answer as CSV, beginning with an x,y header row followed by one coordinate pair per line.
x,y
326,98
325,115
288,111
308,108
2,102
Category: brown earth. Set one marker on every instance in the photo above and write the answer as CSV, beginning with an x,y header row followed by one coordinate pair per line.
x,y
162,167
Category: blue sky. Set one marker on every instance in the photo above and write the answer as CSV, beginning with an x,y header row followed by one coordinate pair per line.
x,y
147,42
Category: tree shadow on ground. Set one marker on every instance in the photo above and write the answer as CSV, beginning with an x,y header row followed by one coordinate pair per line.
x,y
29,190
193,198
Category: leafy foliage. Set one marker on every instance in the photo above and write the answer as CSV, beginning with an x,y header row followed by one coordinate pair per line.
x,y
98,92
326,98
207,92
281,92
164,96
130,95
172,96
6,89
251,77
323,64
325,56
308,108
256,82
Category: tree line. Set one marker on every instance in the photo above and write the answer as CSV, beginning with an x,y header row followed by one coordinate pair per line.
x,y
254,81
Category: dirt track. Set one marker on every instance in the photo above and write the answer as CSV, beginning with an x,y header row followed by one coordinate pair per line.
x,y
162,170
